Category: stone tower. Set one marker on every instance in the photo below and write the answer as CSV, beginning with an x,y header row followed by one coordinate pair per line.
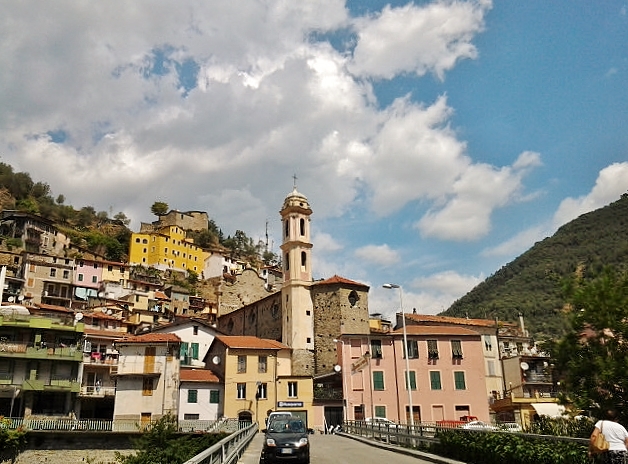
x,y
297,307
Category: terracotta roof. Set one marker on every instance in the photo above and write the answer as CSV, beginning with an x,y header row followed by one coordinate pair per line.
x,y
161,295
454,320
436,330
150,338
198,375
336,279
100,315
104,333
48,307
246,341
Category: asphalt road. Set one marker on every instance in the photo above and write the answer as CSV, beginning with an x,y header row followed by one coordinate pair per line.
x,y
336,449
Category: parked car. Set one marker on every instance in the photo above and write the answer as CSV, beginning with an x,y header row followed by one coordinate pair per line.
x,y
479,425
382,422
286,440
510,427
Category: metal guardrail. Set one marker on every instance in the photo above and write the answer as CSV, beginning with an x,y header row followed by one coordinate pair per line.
x,y
227,451
408,435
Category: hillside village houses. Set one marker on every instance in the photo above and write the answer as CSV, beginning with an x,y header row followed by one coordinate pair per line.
x,y
81,336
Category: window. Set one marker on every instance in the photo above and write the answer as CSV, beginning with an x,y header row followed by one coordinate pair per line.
x,y
214,396
292,390
302,226
488,345
459,383
95,265
432,349
435,383
195,330
412,376
378,380
194,350
456,349
53,272
262,364
147,386
287,261
66,274
241,391
491,368
303,259
94,279
412,349
376,349
241,364
192,396
80,277
380,411
262,391
191,416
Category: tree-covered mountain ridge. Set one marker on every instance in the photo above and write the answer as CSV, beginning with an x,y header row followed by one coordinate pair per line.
x,y
531,285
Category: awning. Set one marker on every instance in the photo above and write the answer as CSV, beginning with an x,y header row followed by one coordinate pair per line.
x,y
549,409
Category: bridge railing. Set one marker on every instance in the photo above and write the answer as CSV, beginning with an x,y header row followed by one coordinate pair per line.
x,y
119,425
228,450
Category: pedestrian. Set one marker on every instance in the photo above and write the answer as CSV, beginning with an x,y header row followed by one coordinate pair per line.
x,y
616,436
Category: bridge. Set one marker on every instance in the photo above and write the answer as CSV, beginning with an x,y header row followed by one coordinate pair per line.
x,y
349,449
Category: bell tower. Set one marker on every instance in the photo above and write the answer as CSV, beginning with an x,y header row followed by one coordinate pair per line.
x,y
298,312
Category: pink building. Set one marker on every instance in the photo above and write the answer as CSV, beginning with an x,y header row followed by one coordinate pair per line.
x,y
447,375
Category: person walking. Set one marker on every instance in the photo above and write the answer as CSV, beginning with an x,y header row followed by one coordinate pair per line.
x,y
617,437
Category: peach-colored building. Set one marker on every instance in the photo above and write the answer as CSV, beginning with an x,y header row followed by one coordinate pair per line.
x,y
447,376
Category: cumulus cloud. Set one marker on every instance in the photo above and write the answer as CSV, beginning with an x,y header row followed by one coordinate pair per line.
x,y
467,207
417,39
611,183
381,255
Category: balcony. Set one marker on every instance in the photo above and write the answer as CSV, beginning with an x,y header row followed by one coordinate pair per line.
x,y
95,391
99,359
30,351
53,383
327,393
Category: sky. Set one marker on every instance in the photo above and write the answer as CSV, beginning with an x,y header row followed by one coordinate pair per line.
x,y
436,141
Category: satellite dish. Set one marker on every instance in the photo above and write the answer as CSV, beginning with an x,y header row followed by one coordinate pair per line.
x,y
109,312
11,299
337,368
20,298
78,316
524,366
216,360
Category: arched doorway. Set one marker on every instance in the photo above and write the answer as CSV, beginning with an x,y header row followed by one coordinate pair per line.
x,y
245,417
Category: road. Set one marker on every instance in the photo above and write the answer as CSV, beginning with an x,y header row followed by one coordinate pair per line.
x,y
336,449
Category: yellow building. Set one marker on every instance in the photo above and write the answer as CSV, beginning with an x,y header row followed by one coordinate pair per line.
x,y
167,248
257,378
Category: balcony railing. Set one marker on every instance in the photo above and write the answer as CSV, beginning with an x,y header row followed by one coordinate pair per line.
x,y
327,393
46,351
95,391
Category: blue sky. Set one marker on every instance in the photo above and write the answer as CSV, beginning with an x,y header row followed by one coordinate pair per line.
x,y
436,141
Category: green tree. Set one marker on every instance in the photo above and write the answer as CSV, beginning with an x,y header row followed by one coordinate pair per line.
x,y
159,208
161,444
122,218
593,357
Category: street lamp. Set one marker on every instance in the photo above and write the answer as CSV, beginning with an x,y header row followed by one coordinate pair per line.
x,y
405,350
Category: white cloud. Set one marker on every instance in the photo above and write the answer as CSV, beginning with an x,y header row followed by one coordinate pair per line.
x,y
381,255
325,243
610,184
467,208
417,39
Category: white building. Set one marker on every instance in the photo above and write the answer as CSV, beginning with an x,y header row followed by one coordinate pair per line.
x,y
148,377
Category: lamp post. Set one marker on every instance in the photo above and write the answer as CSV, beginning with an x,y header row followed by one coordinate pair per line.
x,y
405,350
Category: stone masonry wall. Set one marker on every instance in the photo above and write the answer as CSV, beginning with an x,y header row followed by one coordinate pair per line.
x,y
334,315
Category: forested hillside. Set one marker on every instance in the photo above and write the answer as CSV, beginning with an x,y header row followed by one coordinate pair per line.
x,y
532,283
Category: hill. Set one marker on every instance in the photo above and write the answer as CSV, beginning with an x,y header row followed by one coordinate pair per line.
x,y
532,283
